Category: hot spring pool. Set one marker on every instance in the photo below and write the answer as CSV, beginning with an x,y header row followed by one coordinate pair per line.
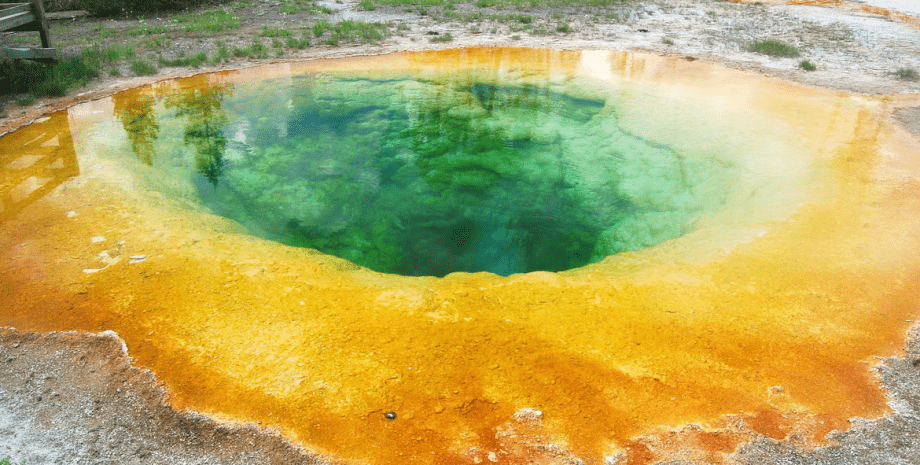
x,y
623,242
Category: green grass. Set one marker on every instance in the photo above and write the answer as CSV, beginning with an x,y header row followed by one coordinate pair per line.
x,y
907,74
321,27
367,5
275,32
109,53
298,44
807,65
351,31
255,50
208,21
147,30
564,28
773,48
142,68
667,41
444,38
194,61
223,54
65,76
290,7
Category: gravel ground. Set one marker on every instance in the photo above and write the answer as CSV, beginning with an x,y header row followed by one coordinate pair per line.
x,y
74,398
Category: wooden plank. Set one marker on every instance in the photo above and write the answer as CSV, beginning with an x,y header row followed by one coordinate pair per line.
x,y
13,8
29,54
38,9
58,15
16,20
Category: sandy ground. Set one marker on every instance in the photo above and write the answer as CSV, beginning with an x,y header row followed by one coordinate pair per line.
x,y
75,398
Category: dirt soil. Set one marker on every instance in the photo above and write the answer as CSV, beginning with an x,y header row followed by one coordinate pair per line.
x,y
75,398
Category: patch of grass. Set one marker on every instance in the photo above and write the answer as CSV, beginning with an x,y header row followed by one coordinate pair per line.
x,y
275,32
109,53
667,41
257,49
444,38
147,30
143,68
907,74
773,48
223,54
321,27
194,61
367,5
114,72
208,21
516,37
67,75
351,31
807,65
564,28
25,101
298,44
290,7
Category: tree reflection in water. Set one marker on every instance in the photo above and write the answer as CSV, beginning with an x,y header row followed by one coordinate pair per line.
x,y
136,113
204,128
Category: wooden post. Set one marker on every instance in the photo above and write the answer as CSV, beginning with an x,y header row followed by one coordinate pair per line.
x,y
38,9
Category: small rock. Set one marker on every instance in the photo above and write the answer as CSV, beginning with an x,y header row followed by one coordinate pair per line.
x,y
97,239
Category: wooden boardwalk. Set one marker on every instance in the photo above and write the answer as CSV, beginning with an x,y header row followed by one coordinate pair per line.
x,y
21,17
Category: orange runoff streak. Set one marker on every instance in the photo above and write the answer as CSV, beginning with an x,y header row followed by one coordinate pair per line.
x,y
685,332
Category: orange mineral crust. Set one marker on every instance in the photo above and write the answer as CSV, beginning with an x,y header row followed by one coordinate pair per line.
x,y
773,311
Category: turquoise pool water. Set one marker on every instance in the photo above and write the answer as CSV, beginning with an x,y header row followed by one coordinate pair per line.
x,y
425,176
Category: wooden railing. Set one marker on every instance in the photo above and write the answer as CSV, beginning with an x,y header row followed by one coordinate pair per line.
x,y
18,17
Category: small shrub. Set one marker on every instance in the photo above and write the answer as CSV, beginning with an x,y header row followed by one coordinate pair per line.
x,y
142,68
773,48
807,65
907,74
564,28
